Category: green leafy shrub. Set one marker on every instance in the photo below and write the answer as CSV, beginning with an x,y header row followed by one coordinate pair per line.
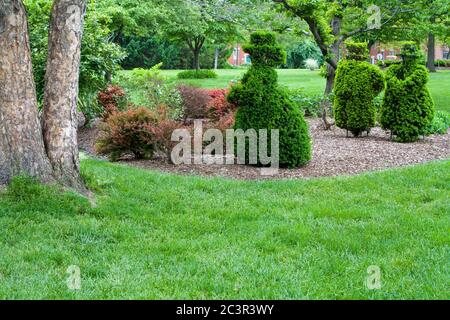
x,y
88,104
147,87
442,63
132,131
440,124
309,105
358,83
407,107
262,104
197,74
100,57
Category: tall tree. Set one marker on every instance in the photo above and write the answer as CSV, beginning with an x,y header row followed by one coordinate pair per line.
x,y
23,149
21,143
61,90
203,20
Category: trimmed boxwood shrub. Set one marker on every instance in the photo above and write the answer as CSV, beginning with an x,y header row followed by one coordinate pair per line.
x,y
358,83
197,74
407,108
262,104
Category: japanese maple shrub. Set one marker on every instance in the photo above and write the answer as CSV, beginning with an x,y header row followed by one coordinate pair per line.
x,y
129,132
358,83
262,104
408,108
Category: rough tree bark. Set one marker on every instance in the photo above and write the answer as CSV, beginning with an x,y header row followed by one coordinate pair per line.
x,y
21,143
61,90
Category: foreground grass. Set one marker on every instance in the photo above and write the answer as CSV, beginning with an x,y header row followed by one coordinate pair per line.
x,y
312,83
156,236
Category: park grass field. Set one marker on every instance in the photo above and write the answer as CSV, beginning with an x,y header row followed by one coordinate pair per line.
x,y
312,83
153,236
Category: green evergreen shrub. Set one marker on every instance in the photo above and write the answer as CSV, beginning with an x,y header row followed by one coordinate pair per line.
x,y
262,104
407,108
358,83
197,74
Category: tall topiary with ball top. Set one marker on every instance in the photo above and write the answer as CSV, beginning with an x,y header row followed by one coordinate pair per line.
x,y
407,108
358,83
262,104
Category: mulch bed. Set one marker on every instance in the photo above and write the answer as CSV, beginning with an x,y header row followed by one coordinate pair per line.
x,y
333,155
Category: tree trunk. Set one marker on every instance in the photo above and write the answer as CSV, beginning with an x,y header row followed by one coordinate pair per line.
x,y
216,59
61,90
431,53
21,143
196,64
336,23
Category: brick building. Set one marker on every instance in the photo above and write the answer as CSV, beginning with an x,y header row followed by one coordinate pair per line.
x,y
381,51
239,57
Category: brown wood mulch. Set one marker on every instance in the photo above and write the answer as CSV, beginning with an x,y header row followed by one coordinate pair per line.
x,y
333,155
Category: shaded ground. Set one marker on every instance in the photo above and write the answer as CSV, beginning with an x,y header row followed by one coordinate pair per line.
x,y
333,154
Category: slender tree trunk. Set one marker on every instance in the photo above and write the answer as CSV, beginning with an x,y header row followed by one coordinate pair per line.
x,y
431,52
336,23
61,90
21,143
196,64
216,58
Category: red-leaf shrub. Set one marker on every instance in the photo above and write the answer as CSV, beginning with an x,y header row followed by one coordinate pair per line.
x,y
112,100
194,102
133,131
164,131
218,106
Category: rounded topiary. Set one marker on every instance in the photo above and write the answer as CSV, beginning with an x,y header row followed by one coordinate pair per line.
x,y
358,83
262,104
407,108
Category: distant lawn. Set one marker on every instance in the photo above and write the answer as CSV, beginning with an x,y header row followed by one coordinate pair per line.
x,y
155,236
313,84
440,90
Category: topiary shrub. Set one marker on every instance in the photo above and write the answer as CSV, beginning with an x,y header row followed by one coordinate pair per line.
x,y
262,104
407,108
358,83
197,74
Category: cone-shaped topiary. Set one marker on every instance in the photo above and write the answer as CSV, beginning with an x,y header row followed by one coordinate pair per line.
x,y
407,107
358,83
262,104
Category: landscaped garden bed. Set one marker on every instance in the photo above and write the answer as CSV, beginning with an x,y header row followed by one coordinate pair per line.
x,y
333,154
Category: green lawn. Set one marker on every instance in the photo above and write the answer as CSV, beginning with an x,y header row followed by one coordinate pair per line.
x,y
314,84
155,235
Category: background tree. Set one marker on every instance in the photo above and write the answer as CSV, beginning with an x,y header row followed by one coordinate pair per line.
x,y
331,22
216,21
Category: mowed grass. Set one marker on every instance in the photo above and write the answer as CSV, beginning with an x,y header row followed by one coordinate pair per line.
x,y
155,236
312,83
